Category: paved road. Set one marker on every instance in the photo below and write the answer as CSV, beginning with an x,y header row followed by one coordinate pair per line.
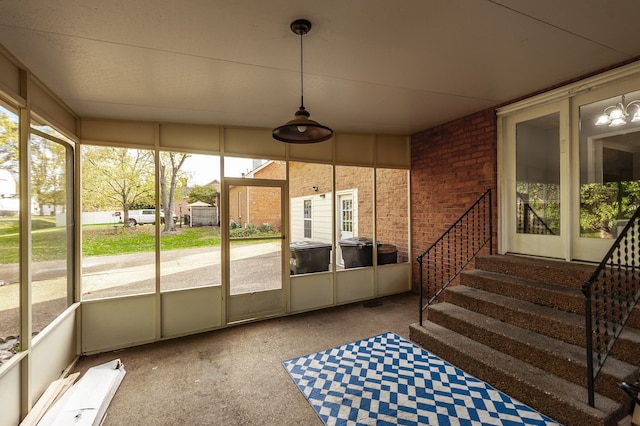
x,y
253,267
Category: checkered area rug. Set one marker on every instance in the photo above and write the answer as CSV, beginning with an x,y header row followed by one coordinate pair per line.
x,y
387,380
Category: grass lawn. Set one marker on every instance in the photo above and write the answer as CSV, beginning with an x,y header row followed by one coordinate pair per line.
x,y
49,242
100,240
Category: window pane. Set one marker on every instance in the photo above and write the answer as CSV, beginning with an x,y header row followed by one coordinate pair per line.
x,y
354,201
310,196
307,219
609,171
51,285
118,213
538,175
190,244
392,215
9,234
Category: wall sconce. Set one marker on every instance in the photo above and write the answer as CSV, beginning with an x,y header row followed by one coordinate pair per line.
x,y
323,195
315,188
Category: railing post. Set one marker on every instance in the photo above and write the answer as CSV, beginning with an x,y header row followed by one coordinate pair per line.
x,y
419,259
490,223
586,289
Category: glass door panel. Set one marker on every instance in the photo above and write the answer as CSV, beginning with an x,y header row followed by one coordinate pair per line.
x,y
255,247
532,193
538,176
609,172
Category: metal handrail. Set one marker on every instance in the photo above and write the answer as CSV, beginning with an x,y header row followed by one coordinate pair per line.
x,y
456,248
611,294
536,217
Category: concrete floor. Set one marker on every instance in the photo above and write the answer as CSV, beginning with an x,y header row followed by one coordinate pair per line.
x,y
234,376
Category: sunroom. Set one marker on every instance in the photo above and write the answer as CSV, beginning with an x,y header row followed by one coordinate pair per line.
x,y
149,107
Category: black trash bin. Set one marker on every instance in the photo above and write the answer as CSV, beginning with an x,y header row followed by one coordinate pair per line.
x,y
309,256
387,253
357,252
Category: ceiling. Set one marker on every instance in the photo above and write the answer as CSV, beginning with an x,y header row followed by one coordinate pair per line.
x,y
372,66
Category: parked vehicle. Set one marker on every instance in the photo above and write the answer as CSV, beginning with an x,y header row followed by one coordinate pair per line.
x,y
142,217
145,216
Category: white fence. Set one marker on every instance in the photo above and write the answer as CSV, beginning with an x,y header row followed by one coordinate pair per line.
x,y
91,218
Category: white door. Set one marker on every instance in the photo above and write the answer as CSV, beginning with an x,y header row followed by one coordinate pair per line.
x,y
346,216
254,263
534,191
569,174
606,162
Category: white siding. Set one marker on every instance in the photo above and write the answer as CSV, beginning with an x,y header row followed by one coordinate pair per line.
x,y
320,218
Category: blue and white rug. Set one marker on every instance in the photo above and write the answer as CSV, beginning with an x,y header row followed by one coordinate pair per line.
x,y
388,380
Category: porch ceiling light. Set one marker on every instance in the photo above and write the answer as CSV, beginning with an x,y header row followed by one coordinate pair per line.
x,y
302,129
619,114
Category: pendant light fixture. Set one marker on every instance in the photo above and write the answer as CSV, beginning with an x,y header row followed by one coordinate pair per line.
x,y
302,129
619,114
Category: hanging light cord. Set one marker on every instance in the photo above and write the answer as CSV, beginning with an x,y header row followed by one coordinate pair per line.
x,y
301,73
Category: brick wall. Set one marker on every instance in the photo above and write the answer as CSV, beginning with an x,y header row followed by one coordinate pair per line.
x,y
264,202
392,223
360,178
238,204
304,176
451,166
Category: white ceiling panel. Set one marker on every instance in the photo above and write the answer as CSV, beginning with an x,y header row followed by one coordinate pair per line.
x,y
370,65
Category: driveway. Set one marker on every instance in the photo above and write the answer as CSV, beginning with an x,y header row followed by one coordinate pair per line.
x,y
254,267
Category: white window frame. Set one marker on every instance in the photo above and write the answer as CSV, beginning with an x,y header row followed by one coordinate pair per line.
x,y
307,220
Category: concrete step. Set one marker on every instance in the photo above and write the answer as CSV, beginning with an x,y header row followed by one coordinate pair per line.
x,y
571,274
548,321
565,326
567,298
555,356
553,396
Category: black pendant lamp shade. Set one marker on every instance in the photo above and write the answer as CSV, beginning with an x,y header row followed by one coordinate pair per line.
x,y
302,129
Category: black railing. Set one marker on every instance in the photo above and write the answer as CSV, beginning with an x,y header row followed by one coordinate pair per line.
x,y
610,296
441,263
529,222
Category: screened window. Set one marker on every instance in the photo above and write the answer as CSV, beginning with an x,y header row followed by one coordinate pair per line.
x,y
392,215
9,229
51,235
310,201
190,241
354,216
118,240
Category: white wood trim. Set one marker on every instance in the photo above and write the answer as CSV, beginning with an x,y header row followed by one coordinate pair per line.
x,y
572,89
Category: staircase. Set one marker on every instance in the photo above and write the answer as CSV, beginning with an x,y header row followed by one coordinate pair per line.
x,y
518,324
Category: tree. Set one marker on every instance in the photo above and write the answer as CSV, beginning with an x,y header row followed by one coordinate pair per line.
x,y
117,177
204,193
170,164
48,173
9,143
